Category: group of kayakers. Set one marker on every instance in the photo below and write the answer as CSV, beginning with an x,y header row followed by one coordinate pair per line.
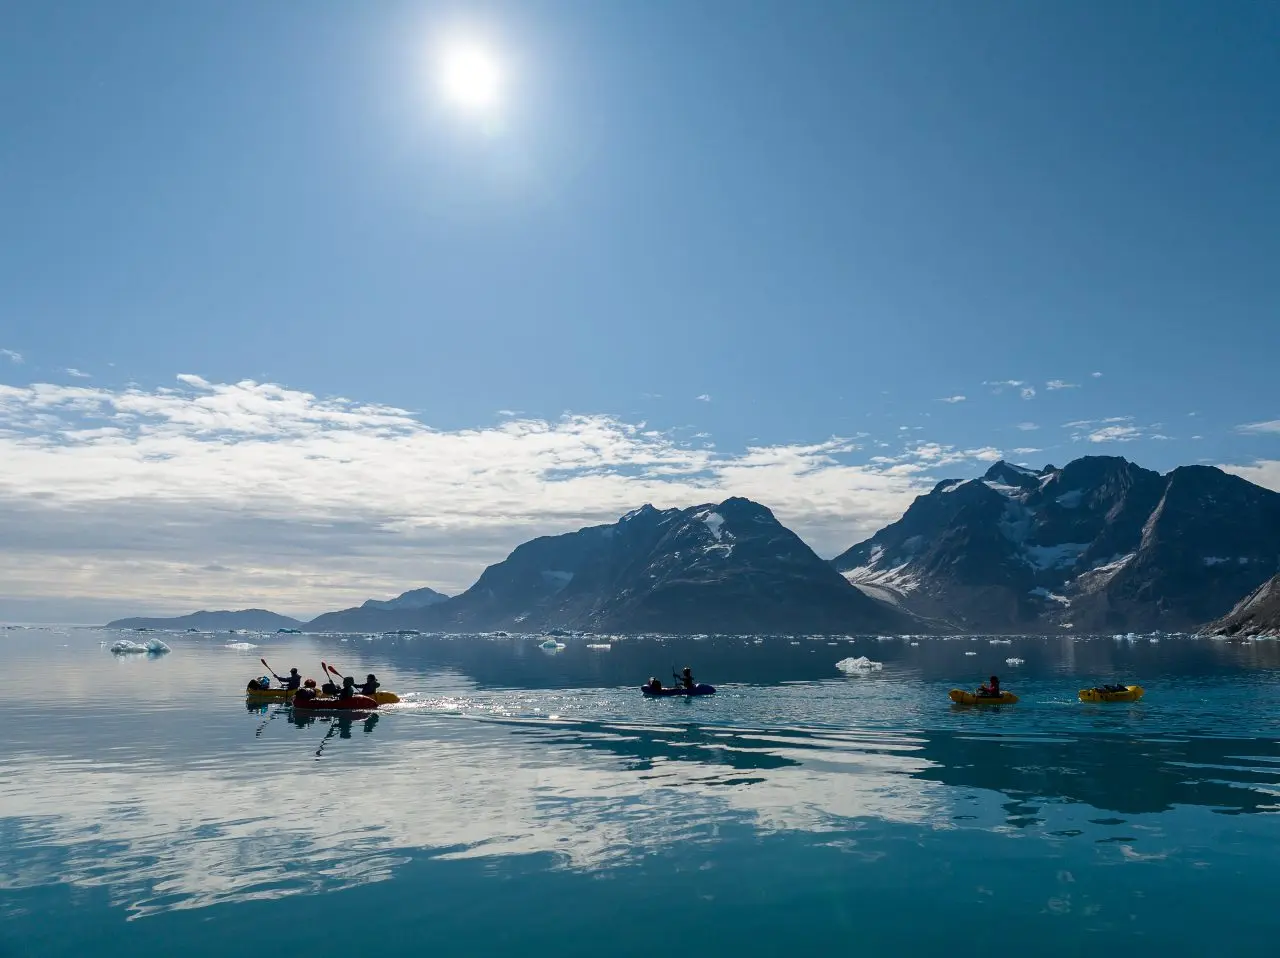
x,y
293,682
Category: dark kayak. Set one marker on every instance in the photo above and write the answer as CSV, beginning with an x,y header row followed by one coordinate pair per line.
x,y
699,689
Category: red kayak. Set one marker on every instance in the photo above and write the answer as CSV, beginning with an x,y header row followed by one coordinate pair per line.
x,y
331,703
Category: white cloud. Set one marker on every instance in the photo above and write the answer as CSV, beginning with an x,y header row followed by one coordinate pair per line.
x,y
704,398
1115,434
1263,472
1111,429
251,493
11,355
77,374
1028,426
1028,392
952,399
1054,384
1260,427
1096,375
1026,451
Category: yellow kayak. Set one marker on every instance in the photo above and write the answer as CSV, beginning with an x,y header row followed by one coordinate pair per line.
x,y
286,695
1131,693
963,697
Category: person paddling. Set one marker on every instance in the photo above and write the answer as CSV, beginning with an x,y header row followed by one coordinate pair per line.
x,y
292,682
348,689
371,685
991,690
686,678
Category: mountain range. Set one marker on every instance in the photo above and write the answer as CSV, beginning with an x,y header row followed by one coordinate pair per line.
x,y
1100,544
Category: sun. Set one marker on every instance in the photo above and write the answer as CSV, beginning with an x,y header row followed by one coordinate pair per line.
x,y
470,76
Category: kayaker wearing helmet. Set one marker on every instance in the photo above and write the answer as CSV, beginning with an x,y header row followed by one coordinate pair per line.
x,y
991,690
371,685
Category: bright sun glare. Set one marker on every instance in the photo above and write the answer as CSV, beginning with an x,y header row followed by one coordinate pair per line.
x,y
471,77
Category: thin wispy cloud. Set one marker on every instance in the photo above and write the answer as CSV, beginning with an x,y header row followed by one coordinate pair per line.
x,y
704,398
77,374
1028,426
314,503
952,399
1056,384
1096,375
1111,429
1026,451
12,355
1028,392
1272,426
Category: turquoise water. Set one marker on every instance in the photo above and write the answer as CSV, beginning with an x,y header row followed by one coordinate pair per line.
x,y
534,802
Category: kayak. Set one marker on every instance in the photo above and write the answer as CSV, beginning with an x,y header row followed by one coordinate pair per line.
x,y
1131,693
963,697
284,695
699,689
331,703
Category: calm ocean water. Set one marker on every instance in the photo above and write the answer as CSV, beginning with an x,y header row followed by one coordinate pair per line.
x,y
531,802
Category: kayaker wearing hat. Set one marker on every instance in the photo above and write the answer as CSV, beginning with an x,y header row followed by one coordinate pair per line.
x,y
371,685
292,682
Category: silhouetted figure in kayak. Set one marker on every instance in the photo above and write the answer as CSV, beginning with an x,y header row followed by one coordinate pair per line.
x,y
292,681
686,678
991,690
371,685
1112,688
348,688
654,685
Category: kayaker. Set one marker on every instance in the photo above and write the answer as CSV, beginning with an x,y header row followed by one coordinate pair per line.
x,y
371,685
992,689
654,684
348,688
686,678
292,682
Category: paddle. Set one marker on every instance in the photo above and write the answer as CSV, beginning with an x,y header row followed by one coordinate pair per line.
x,y
271,670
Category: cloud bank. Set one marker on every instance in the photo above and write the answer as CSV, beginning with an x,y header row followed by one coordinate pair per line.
x,y
206,494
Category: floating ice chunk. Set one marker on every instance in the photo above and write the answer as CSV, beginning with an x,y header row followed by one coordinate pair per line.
x,y
1014,661
971,653
1001,641
551,645
125,647
598,646
915,643
241,646
859,665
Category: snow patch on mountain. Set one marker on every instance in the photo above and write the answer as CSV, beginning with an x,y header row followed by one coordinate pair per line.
x,y
1062,556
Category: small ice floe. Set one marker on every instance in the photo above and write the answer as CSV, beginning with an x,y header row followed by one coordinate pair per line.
x,y
551,645
240,646
971,653
915,643
125,647
859,666
599,646
1014,661
1001,641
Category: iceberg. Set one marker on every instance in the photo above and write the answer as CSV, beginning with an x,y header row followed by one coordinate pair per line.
x,y
125,647
859,666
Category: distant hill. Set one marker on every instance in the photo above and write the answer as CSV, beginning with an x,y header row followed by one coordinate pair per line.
x,y
1100,544
414,599
255,620
1258,613
729,567
378,614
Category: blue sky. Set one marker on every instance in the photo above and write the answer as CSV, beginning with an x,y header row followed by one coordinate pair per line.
x,y
822,218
